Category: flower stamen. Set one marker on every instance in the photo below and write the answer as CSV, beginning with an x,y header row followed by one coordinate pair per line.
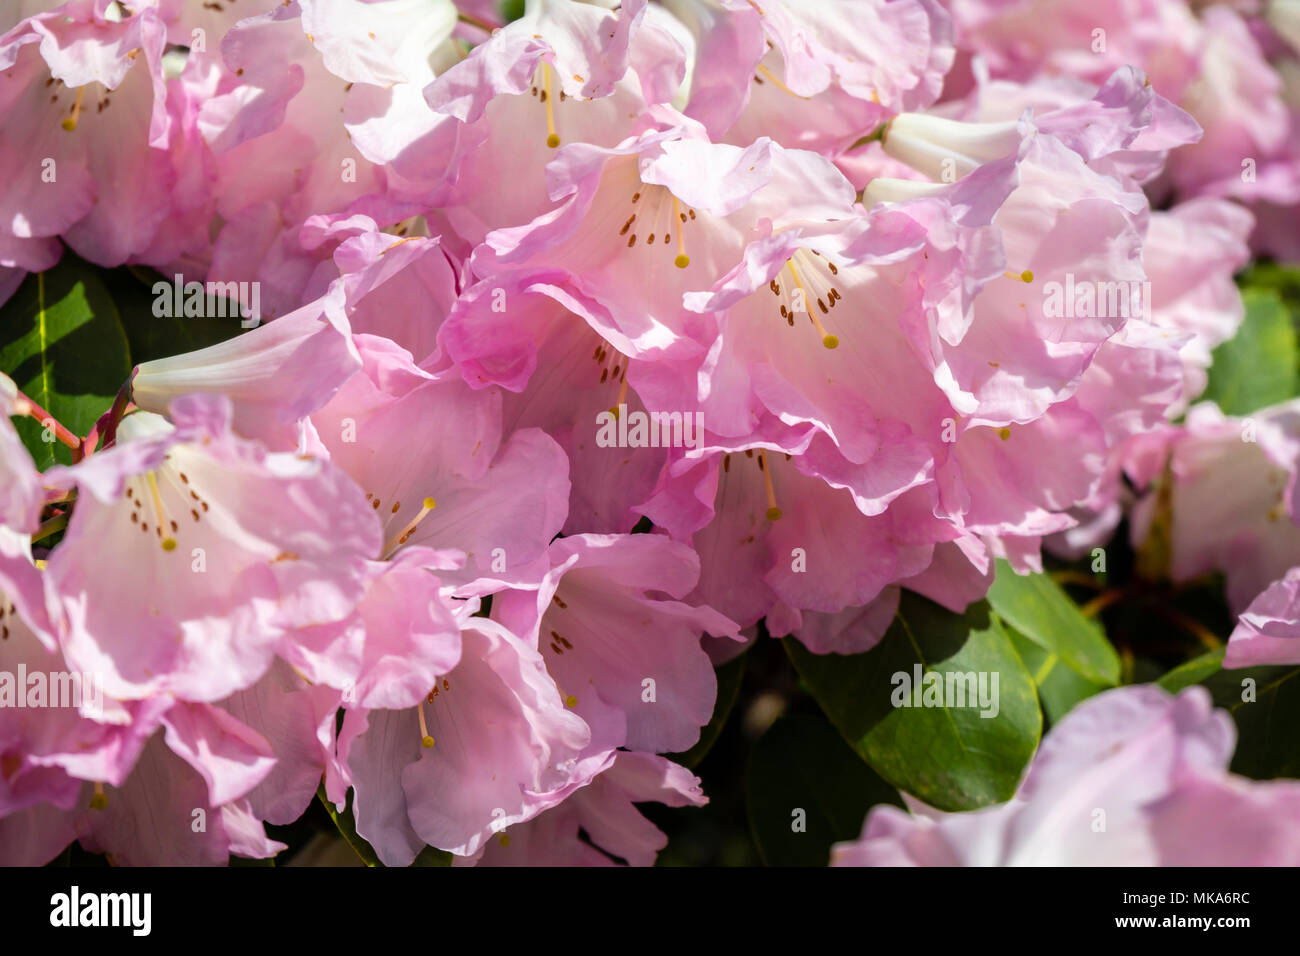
x,y
773,512
828,340
425,739
682,260
168,543
70,122
552,137
401,537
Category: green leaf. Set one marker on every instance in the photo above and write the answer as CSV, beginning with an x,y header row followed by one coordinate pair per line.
x,y
1283,279
1265,705
1258,366
1195,671
802,764
1040,610
1059,686
730,677
347,827
947,755
153,337
62,343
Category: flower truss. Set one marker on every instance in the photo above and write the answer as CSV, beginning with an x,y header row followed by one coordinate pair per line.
x,y
438,419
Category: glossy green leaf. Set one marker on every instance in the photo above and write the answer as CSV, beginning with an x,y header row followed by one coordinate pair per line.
x,y
1258,366
947,755
1059,687
806,789
62,343
1040,610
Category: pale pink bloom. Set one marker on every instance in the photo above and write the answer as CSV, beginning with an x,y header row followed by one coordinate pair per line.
x,y
275,117
402,634
640,225
22,494
814,75
567,373
1191,254
1232,499
297,719
229,549
1132,777
273,376
1267,631
626,660
566,72
820,553
605,809
154,818
85,135
491,746
57,729
436,469
401,288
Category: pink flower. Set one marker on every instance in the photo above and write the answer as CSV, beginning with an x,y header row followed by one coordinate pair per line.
x,y
629,663
273,376
1132,777
86,128
820,553
566,72
491,746
606,810
226,549
22,494
1231,503
806,74
430,456
173,811
564,371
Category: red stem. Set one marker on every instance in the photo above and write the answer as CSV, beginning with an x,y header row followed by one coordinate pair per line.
x,y
41,415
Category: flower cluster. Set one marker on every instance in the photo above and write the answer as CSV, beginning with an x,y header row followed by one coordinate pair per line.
x,y
580,351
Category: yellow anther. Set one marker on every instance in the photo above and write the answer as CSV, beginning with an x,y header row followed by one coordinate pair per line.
x,y
682,260
552,137
70,122
426,506
425,738
168,543
773,512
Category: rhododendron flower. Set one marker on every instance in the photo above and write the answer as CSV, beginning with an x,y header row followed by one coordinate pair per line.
x,y
1155,764
491,746
230,548
628,663
273,376
565,372
595,342
605,809
86,123
1229,503
437,471
806,74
